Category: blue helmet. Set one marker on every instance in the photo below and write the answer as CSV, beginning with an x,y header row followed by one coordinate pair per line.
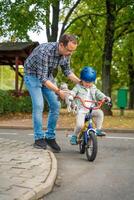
x,y
88,74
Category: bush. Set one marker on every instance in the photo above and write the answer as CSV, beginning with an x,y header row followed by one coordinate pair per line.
x,y
9,103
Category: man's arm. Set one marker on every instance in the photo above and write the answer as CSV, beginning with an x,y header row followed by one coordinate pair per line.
x,y
74,78
53,87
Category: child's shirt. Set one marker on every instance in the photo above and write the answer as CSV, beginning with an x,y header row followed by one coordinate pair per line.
x,y
91,93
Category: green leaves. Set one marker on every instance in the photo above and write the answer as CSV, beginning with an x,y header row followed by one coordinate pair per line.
x,y
20,17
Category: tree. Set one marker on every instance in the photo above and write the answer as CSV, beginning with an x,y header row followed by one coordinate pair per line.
x,y
17,17
124,65
108,46
118,24
131,76
100,25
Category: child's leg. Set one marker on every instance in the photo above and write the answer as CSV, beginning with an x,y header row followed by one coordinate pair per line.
x,y
98,116
80,119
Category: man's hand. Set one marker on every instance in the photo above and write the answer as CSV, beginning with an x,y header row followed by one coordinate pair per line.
x,y
74,78
62,94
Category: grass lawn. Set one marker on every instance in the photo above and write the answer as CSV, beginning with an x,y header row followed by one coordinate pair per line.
x,y
67,120
115,121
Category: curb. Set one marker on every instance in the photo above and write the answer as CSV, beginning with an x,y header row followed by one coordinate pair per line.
x,y
48,184
45,185
119,130
108,130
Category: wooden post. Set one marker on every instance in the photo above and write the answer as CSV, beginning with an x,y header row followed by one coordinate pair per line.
x,y
16,75
21,85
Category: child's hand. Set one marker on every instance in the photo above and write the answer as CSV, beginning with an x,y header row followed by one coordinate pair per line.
x,y
70,98
71,106
108,101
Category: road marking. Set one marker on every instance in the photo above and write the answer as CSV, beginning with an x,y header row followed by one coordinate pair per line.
x,y
14,133
124,138
8,133
108,137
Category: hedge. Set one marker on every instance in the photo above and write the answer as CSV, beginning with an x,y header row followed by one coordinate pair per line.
x,y
9,103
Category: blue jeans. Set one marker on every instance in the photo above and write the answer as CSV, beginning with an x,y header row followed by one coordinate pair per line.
x,y
38,93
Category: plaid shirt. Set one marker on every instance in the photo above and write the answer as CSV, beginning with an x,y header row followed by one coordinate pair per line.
x,y
44,61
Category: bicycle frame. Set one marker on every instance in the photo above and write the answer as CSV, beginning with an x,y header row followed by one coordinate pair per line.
x,y
87,139
89,128
89,114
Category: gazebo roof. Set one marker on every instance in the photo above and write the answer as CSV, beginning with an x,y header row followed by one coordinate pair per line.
x,y
9,51
14,54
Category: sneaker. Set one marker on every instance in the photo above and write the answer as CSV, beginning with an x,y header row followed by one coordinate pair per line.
x,y
73,140
40,144
53,144
99,132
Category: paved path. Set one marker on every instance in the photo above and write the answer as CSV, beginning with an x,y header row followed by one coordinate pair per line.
x,y
26,173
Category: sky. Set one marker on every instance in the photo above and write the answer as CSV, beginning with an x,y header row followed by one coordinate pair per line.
x,y
41,37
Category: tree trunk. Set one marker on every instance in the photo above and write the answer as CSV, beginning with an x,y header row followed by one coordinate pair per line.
x,y
131,79
55,21
108,47
52,28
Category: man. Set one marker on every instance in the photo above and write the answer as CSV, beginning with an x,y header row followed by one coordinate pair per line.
x,y
39,71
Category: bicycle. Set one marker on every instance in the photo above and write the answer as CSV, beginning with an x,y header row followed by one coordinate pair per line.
x,y
87,138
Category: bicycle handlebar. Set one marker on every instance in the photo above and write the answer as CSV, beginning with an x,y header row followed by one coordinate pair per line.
x,y
98,103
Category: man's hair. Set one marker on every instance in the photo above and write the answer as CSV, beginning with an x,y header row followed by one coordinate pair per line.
x,y
68,38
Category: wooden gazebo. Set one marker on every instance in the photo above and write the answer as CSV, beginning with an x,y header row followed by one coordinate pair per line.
x,y
14,54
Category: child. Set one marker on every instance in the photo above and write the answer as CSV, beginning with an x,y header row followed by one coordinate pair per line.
x,y
88,91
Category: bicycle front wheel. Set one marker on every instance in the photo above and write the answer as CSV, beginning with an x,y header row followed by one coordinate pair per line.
x,y
82,144
91,146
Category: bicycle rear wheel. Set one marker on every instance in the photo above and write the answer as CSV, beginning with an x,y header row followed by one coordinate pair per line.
x,y
91,146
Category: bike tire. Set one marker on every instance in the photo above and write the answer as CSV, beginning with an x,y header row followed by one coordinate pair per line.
x,y
82,145
91,147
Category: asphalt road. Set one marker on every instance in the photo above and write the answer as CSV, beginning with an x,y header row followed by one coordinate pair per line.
x,y
109,177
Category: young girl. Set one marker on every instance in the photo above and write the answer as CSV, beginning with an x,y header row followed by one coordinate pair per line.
x,y
88,91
